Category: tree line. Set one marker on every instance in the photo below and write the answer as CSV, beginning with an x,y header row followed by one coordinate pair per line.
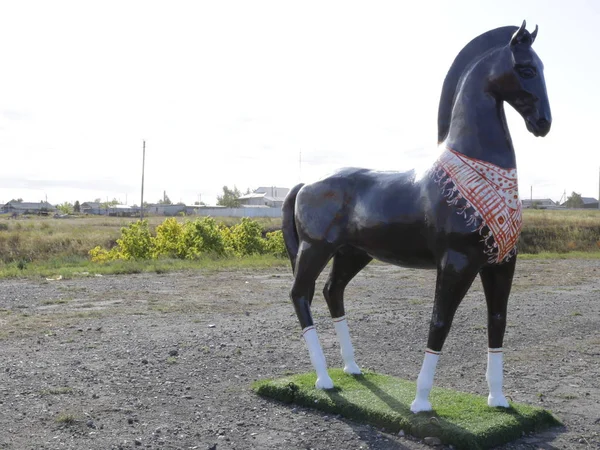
x,y
230,198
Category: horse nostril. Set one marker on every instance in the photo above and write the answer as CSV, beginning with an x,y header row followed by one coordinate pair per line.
x,y
543,124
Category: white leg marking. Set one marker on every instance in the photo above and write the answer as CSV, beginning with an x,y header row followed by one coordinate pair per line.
x,y
317,358
343,334
425,382
494,378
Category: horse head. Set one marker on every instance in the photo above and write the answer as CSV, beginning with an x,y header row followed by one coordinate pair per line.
x,y
518,78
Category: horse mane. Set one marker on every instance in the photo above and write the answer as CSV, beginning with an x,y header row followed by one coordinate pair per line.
x,y
472,51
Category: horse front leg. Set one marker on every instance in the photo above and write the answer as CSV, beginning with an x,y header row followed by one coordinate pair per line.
x,y
496,281
455,274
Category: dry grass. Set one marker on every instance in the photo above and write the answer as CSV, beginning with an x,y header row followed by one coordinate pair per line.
x,y
567,217
41,239
45,239
560,231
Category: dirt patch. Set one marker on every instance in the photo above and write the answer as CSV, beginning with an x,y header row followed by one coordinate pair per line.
x,y
166,360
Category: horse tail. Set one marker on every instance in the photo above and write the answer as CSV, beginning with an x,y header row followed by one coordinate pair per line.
x,y
288,224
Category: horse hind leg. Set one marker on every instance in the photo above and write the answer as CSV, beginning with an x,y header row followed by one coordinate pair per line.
x,y
496,281
310,261
346,264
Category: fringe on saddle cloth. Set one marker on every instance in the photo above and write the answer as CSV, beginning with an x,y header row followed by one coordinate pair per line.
x,y
489,197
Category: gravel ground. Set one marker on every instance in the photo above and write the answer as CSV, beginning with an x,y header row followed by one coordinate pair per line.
x,y
166,360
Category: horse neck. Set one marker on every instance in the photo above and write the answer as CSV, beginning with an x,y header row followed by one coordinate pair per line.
x,y
478,127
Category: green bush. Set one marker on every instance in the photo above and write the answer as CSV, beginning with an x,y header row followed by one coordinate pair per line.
x,y
99,254
168,240
192,239
275,244
136,241
245,238
201,236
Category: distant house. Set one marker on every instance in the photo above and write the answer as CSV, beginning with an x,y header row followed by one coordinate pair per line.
x,y
254,199
540,203
222,211
272,197
588,203
162,209
18,208
123,210
100,209
92,208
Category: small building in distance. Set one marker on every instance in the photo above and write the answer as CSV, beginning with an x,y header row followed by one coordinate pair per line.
x,y
271,196
100,209
244,211
539,203
588,203
253,199
18,208
92,208
164,209
123,211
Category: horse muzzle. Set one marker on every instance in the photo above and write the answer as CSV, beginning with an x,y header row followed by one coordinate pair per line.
x,y
539,127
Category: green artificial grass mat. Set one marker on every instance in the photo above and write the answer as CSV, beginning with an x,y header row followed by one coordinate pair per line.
x,y
459,419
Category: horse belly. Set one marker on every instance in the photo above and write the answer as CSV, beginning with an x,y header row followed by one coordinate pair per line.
x,y
405,246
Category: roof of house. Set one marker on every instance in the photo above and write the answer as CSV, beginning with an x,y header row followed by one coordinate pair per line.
x,y
274,191
268,193
252,195
262,195
538,200
30,205
585,200
274,199
91,205
268,188
164,205
123,207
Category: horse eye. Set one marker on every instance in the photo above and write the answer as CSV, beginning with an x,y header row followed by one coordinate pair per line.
x,y
526,72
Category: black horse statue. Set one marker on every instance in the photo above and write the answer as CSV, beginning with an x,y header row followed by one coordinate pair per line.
x,y
462,217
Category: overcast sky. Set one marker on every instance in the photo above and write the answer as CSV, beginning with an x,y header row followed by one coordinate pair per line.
x,y
230,93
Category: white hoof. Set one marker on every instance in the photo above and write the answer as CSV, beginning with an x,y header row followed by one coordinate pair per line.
x,y
352,369
324,383
420,405
499,401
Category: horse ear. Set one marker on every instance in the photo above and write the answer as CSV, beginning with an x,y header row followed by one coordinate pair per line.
x,y
534,34
521,36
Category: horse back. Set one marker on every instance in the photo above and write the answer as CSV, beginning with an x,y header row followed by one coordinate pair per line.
x,y
381,213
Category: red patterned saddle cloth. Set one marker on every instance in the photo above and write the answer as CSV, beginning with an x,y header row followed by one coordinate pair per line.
x,y
492,200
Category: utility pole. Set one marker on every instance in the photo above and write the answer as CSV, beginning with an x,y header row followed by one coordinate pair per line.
x,y
531,195
143,164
